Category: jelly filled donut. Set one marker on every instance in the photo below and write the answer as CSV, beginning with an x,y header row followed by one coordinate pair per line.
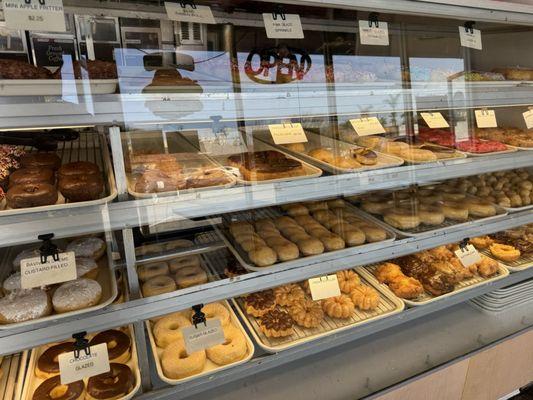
x,y
89,247
118,344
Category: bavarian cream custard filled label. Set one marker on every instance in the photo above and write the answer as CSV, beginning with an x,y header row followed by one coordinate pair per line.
x,y
33,273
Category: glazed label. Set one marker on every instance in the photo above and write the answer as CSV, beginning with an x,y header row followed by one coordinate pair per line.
x,y
486,119
287,133
470,39
35,15
374,35
33,273
288,27
367,126
203,336
324,287
200,14
468,256
528,117
72,369
435,120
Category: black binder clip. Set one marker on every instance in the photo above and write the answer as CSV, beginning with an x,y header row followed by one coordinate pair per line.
x,y
185,3
81,344
279,10
198,317
463,244
373,19
48,249
41,2
469,27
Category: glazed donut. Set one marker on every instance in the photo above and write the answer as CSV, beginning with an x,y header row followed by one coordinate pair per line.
x,y
364,297
480,208
76,295
401,219
310,246
276,241
232,350
89,247
373,233
352,236
32,175
252,243
81,187
86,268
115,384
286,252
149,271
504,252
322,154
217,310
25,305
78,168
52,387
177,364
455,211
375,206
190,276
348,280
31,195
168,329
158,285
189,261
338,307
481,242
263,257
430,215
118,344
24,254
307,313
12,283
47,363
40,160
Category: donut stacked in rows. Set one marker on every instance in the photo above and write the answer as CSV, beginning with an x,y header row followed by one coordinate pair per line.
x,y
116,383
19,305
177,363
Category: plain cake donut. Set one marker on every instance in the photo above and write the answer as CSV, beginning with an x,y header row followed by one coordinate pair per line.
x,y
182,262
158,285
149,271
190,276
233,349
168,329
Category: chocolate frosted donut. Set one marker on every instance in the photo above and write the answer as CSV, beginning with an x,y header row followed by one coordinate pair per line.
x,y
118,344
40,160
78,168
48,364
31,195
81,187
118,382
32,175
52,389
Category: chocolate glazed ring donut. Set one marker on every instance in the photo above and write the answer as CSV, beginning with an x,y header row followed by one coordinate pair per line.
x,y
118,382
118,344
52,389
47,364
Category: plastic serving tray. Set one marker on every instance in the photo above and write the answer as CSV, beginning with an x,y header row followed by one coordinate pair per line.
x,y
13,370
32,382
56,87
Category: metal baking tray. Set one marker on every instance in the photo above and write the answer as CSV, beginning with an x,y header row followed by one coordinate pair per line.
x,y
510,149
32,382
522,263
89,147
425,298
272,212
210,367
338,147
13,370
56,87
517,288
106,279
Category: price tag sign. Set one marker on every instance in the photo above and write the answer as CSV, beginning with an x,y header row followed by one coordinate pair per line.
x,y
33,273
289,27
324,287
435,120
471,39
468,256
72,369
204,336
287,133
372,35
35,15
528,117
486,119
367,126
200,14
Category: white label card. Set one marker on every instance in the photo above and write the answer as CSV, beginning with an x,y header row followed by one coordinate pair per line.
x,y
470,39
486,119
324,287
435,120
35,274
204,336
200,14
287,133
35,15
373,35
72,369
528,117
367,126
468,256
279,28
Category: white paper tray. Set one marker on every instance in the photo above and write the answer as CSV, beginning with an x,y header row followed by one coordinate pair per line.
x,y
210,367
12,379
32,382
89,147
242,255
106,279
56,87
426,298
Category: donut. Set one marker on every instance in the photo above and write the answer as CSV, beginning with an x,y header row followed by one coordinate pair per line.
x,y
287,251
307,313
86,268
395,148
40,160
252,243
76,295
25,305
296,210
296,147
287,295
481,242
177,364
322,154
365,156
52,389
455,211
504,252
89,247
12,283
189,261
276,323
115,384
158,285
24,254
190,276
263,257
430,215
364,297
149,271
32,175
348,280
401,219
375,206
310,246
78,168
352,236
118,344
480,208
31,195
346,162
453,196
232,350
47,363
417,155
338,307
373,233
81,187
168,329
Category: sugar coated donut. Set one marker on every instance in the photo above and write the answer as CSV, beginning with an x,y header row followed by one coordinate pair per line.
x,y
12,283
86,268
149,271
158,285
118,344
190,276
90,247
177,364
24,305
168,329
182,262
24,254
233,349
76,295
217,310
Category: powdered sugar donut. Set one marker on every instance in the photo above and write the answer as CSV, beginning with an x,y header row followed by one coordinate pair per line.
x,y
24,305
12,283
76,295
86,268
89,247
28,253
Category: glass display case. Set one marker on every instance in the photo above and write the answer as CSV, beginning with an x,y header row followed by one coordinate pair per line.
x,y
296,182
